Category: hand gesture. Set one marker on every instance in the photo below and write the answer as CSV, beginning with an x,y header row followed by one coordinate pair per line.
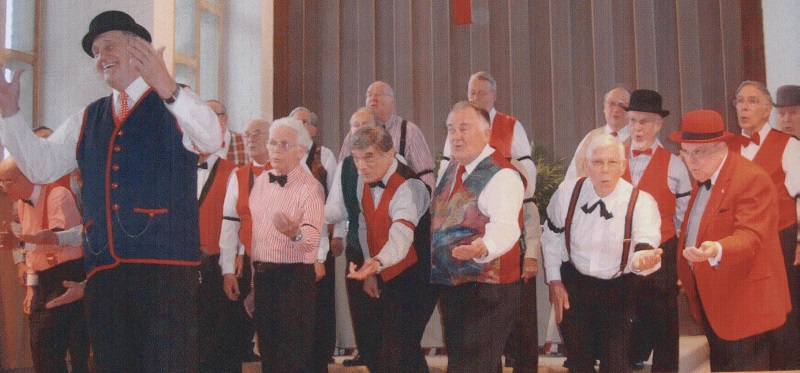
x,y
466,252
707,249
368,269
8,240
287,225
647,259
371,287
530,267
239,266
319,270
559,298
9,93
337,246
231,286
150,64
74,292
26,303
797,255
42,237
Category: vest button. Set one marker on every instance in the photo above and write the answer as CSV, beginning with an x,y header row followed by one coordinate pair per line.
x,y
115,167
114,185
115,207
117,148
120,133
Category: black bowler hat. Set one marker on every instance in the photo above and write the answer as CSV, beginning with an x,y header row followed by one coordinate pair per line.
x,y
109,21
788,95
647,101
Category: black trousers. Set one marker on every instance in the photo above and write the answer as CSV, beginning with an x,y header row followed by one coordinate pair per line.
x,y
285,302
225,331
523,343
325,326
405,307
599,309
742,355
365,315
478,319
56,330
143,318
785,341
656,322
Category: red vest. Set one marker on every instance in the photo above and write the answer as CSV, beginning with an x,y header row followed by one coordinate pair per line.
x,y
502,133
245,177
378,224
655,182
770,158
212,197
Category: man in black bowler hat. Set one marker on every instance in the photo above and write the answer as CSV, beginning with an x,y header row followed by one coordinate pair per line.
x,y
137,152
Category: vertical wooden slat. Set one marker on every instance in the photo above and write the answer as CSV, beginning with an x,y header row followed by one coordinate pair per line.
x,y
712,71
731,57
624,43
563,115
603,44
422,91
541,99
294,59
367,54
689,55
328,78
479,36
441,74
460,59
310,74
499,52
516,97
384,42
281,68
753,40
644,32
667,66
403,56
582,62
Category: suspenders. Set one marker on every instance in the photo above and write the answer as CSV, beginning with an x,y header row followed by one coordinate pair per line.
x,y
626,242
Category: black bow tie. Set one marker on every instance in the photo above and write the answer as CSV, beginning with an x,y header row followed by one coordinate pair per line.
x,y
603,212
706,184
281,179
28,201
203,165
377,184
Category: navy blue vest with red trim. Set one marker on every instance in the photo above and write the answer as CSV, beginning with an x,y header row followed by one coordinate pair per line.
x,y
139,187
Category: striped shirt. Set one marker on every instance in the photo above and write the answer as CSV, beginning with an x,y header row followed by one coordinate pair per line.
x,y
417,154
303,197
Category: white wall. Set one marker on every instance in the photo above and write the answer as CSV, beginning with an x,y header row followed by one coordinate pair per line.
x,y
68,79
241,66
781,42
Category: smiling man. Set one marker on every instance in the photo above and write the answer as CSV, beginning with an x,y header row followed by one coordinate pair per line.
x,y
731,267
136,150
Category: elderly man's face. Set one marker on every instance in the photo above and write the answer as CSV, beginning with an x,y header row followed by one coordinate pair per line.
x,y
372,163
789,119
111,58
703,160
613,108
480,91
14,183
752,108
380,100
605,168
284,152
359,119
643,127
466,134
255,139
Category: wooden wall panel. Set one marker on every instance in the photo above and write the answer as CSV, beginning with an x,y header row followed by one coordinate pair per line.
x,y
553,60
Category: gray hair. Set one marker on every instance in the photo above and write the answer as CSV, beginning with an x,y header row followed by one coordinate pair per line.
x,y
372,135
485,76
758,85
303,139
312,116
482,113
613,88
363,109
604,141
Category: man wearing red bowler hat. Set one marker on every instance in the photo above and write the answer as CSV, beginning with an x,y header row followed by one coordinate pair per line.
x,y
732,268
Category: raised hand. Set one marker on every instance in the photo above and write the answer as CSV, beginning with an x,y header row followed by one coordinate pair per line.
x,y
150,64
9,93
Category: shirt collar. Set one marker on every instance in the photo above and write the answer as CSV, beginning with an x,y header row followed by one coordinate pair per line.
x,y
618,189
135,90
624,132
716,173
392,169
492,113
210,161
35,193
762,133
487,151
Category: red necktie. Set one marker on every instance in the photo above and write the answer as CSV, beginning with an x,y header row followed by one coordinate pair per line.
x,y
123,107
614,133
648,151
458,184
755,139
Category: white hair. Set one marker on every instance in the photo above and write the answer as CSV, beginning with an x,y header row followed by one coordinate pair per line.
x,y
604,141
303,139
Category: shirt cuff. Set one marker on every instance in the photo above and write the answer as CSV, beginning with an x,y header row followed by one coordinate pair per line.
x,y
714,262
491,247
32,279
553,273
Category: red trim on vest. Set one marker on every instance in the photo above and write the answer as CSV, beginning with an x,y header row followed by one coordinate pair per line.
x,y
210,210
770,158
502,133
510,261
83,128
378,224
655,181
243,204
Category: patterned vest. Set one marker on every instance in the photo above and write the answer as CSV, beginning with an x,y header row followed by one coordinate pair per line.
x,y
378,223
502,133
770,158
655,182
458,220
139,187
314,163
211,200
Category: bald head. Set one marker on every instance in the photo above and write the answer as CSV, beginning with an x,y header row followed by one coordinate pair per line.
x,y
380,99
13,181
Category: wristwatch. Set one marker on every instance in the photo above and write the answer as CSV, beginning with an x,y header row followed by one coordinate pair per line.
x,y
298,237
174,96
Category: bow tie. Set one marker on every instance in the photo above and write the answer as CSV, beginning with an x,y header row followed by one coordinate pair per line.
x,y
648,152
603,212
755,139
706,184
281,179
377,184
203,165
27,201
257,170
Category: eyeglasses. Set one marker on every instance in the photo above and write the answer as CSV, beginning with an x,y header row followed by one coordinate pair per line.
x,y
282,145
599,163
368,159
253,134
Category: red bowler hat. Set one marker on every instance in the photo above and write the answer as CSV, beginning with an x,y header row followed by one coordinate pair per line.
x,y
701,126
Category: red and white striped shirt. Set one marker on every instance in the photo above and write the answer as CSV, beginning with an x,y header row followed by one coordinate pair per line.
x,y
303,197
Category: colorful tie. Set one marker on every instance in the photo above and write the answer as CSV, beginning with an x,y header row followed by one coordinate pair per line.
x,y
648,151
123,107
457,185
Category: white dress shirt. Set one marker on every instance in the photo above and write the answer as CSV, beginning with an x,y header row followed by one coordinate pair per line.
x,y
790,159
596,243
